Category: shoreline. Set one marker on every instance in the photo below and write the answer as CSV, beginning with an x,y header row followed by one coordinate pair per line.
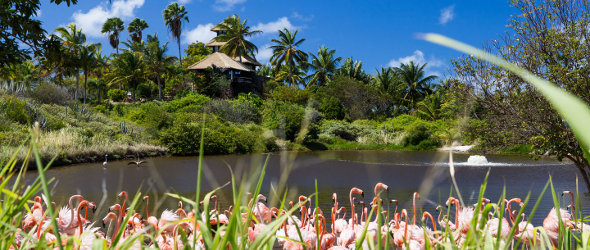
x,y
163,152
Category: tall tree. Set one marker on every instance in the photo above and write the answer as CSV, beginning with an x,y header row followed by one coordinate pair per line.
x,y
135,29
73,40
354,70
235,33
113,27
550,39
20,33
285,51
130,69
157,60
324,65
174,14
87,62
417,84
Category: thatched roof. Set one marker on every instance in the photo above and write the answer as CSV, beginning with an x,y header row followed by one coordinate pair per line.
x,y
219,60
248,60
214,43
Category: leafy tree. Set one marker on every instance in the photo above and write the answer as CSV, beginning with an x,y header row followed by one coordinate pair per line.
x,y
130,69
353,69
20,34
135,29
550,39
324,65
157,60
417,85
195,52
174,15
113,27
73,40
360,100
285,52
235,33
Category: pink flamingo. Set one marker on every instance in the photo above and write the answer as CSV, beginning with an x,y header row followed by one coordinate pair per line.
x,y
66,220
348,235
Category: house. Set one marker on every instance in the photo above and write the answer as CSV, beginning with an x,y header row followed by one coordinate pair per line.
x,y
241,70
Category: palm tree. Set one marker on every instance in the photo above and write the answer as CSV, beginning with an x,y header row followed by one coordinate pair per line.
x,y
236,32
293,75
113,27
174,14
73,40
130,69
324,65
264,70
354,70
135,29
157,60
285,51
386,80
87,62
417,86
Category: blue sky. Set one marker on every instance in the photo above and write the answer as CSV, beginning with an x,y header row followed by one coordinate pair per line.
x,y
379,33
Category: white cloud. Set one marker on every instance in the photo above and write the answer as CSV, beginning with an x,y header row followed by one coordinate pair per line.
x,y
298,16
274,27
184,1
91,21
264,53
226,5
201,33
447,14
419,58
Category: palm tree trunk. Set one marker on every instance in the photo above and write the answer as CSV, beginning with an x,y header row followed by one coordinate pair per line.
x,y
77,84
85,80
159,86
290,76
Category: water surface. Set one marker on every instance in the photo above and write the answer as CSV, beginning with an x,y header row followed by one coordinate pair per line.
x,y
335,172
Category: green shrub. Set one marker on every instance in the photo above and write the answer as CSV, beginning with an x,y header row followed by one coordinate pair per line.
x,y
283,118
331,107
197,100
417,133
14,109
151,114
47,92
289,94
221,137
143,91
117,95
13,138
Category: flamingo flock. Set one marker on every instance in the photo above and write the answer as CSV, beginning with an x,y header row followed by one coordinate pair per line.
x,y
379,222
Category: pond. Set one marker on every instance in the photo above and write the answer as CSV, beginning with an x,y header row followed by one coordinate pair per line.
x,y
335,172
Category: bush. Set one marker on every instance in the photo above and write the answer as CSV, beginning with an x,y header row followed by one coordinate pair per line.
x,y
419,132
151,114
47,92
192,99
290,94
246,108
220,137
331,107
283,118
143,91
14,109
117,95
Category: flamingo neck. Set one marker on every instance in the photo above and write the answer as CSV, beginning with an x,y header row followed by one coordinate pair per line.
x,y
457,208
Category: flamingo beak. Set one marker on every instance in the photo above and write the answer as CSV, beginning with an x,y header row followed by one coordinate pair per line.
x,y
363,194
103,224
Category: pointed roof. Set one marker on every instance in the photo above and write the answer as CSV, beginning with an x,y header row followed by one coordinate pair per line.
x,y
214,43
248,60
219,60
